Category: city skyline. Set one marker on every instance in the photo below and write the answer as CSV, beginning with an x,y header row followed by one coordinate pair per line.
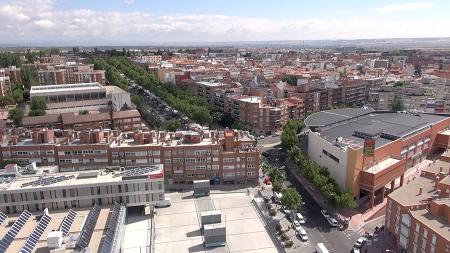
x,y
66,22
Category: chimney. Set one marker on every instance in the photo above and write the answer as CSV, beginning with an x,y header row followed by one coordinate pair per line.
x,y
420,190
436,183
440,169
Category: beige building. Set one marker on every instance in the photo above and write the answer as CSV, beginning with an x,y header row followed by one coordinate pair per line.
x,y
48,188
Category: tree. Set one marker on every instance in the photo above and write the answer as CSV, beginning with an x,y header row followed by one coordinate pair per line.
x,y
397,104
399,84
239,125
171,125
291,199
137,100
83,112
347,200
290,79
38,107
16,115
289,139
29,76
277,186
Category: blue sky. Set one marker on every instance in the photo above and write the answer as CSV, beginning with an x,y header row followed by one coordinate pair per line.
x,y
144,21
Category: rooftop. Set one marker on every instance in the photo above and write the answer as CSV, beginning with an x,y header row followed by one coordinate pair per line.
x,y
383,165
408,194
48,89
353,125
57,217
58,179
436,223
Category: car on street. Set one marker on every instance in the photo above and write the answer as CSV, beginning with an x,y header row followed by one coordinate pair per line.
x,y
290,216
360,242
302,234
355,250
296,226
325,213
300,218
333,222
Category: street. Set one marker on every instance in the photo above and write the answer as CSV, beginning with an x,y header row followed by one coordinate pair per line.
x,y
316,226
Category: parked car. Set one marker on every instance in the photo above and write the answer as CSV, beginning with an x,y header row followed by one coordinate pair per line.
x,y
290,216
360,242
296,226
300,218
325,213
302,234
333,222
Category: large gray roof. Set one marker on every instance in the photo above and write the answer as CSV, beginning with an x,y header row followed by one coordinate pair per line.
x,y
328,117
383,126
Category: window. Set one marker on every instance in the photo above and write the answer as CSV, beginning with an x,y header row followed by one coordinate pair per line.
x,y
126,188
228,160
64,193
251,159
334,158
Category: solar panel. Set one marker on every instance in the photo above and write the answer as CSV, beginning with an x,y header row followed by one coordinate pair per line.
x,y
3,217
47,181
67,222
88,228
33,239
137,171
112,228
14,230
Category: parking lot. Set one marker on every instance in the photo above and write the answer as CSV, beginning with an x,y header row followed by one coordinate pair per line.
x,y
178,226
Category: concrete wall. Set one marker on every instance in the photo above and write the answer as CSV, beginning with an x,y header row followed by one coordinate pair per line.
x,y
338,171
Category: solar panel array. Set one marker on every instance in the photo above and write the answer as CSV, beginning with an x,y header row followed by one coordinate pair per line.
x,y
67,222
14,230
88,228
48,181
3,217
112,229
33,239
137,171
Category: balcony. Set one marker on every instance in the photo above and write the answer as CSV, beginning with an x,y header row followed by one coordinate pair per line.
x,y
381,173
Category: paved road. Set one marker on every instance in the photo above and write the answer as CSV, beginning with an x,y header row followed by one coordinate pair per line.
x,y
316,226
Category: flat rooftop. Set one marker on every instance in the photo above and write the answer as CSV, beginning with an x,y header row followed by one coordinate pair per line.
x,y
61,88
353,125
57,218
382,165
73,178
436,223
408,194
211,84
178,228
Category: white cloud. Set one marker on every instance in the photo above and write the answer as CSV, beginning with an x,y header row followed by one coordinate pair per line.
x,y
405,7
128,1
23,22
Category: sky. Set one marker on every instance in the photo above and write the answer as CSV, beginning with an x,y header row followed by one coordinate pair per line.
x,y
146,22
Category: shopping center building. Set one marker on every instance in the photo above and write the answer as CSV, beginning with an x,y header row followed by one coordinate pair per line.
x,y
366,150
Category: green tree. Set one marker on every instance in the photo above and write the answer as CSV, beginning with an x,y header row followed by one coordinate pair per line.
x,y
171,125
289,139
399,84
38,107
137,100
397,104
347,200
29,76
290,79
83,112
291,199
277,186
16,115
239,125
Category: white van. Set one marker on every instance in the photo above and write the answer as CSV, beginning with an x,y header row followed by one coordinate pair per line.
x,y
163,203
300,218
320,248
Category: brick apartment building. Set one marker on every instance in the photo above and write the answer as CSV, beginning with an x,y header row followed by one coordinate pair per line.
x,y
418,214
50,74
229,156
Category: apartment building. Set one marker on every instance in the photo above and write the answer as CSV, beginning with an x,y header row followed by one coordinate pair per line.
x,y
5,84
418,214
399,141
229,156
46,187
54,74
